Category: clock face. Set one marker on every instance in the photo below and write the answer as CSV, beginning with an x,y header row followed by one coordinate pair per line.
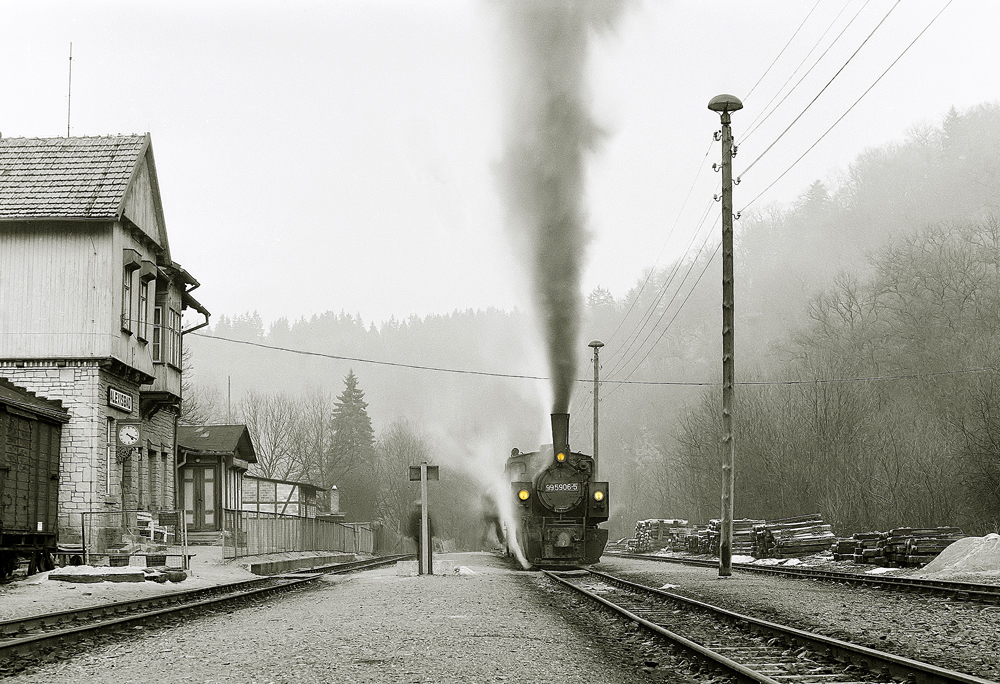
x,y
128,434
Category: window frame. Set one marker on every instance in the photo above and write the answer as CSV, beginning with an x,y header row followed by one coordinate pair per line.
x,y
156,343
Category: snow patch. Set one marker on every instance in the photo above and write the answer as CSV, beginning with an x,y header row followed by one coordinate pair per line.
x,y
968,556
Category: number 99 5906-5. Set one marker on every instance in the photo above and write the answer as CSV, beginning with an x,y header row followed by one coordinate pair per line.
x,y
562,487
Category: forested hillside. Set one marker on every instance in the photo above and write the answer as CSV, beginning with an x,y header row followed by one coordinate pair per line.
x,y
867,317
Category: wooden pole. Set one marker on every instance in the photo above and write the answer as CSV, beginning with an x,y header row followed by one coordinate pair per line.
x,y
725,104
596,344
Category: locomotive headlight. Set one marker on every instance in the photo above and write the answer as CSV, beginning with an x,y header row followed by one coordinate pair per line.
x,y
598,495
560,457
523,495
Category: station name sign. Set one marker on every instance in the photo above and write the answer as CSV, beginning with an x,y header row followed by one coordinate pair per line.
x,y
119,400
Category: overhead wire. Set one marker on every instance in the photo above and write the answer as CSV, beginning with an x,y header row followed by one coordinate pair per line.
x,y
768,70
622,361
622,351
638,365
619,354
822,90
673,227
765,113
848,111
519,376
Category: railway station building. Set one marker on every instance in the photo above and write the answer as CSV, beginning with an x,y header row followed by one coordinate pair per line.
x,y
91,304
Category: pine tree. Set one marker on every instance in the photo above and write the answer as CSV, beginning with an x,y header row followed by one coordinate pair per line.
x,y
352,449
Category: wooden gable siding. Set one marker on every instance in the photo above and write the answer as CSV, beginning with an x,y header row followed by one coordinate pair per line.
x,y
55,290
141,205
61,292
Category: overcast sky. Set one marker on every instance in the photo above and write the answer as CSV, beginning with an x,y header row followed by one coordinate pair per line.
x,y
318,156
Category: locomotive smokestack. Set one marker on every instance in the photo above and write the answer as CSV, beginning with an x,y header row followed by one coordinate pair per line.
x,y
560,433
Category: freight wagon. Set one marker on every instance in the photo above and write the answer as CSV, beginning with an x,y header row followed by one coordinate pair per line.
x,y
30,433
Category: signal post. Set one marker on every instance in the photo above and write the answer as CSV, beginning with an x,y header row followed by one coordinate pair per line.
x,y
423,473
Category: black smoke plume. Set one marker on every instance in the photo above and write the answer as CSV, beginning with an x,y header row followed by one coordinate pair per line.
x,y
549,132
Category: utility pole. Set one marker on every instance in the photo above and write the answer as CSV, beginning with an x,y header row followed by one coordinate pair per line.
x,y
725,104
596,344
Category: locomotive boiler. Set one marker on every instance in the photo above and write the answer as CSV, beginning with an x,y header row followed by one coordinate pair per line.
x,y
558,505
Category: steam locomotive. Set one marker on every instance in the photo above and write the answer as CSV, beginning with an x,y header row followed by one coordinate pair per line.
x,y
557,504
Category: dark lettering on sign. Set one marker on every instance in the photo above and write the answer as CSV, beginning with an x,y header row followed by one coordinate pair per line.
x,y
119,400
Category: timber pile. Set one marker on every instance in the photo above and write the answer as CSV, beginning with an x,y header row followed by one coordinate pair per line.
x,y
743,536
867,549
909,546
706,540
792,537
657,533
695,538
843,549
903,546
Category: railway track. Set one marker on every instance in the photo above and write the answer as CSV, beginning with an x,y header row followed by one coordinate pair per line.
x,y
746,648
963,591
42,634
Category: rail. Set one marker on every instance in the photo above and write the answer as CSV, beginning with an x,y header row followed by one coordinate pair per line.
x,y
750,649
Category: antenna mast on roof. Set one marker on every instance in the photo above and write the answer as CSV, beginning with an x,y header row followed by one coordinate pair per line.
x,y
69,93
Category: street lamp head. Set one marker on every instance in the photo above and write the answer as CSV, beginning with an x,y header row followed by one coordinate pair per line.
x,y
725,103
596,344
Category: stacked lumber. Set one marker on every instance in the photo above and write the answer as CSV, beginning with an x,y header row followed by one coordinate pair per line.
x,y
792,537
697,537
843,549
709,538
903,546
867,549
743,536
659,533
909,546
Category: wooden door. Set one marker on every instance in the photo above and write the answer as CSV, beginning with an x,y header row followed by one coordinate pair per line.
x,y
199,498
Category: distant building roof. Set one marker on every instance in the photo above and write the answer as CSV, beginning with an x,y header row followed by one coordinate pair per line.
x,y
308,485
20,398
217,439
71,178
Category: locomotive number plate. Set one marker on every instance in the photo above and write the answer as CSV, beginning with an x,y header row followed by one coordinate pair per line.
x,y
562,487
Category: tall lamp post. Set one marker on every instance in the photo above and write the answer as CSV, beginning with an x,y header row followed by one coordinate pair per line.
x,y
596,345
725,104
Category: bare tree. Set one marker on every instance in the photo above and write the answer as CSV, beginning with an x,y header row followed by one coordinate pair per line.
x,y
273,422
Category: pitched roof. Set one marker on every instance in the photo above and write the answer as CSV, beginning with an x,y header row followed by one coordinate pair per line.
x,y
73,178
217,439
20,398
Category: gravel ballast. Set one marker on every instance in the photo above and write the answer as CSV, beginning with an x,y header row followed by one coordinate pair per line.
x,y
492,623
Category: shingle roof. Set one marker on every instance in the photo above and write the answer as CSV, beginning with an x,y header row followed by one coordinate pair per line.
x,y
79,178
217,439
